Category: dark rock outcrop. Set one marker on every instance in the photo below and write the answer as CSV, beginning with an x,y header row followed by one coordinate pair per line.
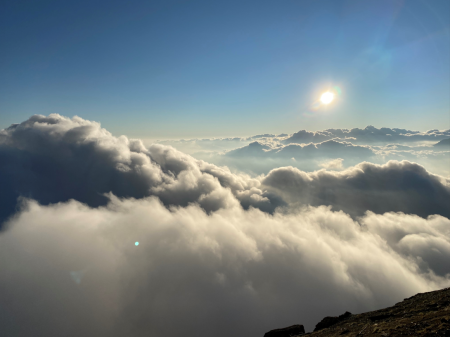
x,y
425,314
293,330
329,321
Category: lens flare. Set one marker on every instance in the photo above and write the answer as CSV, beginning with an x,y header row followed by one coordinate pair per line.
x,y
136,243
327,97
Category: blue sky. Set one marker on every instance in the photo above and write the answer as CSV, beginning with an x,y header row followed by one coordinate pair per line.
x,y
173,69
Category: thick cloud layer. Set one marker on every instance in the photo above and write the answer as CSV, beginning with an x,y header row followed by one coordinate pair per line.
x,y
400,186
368,135
218,253
71,270
443,143
269,151
53,159
260,157
205,145
326,149
218,145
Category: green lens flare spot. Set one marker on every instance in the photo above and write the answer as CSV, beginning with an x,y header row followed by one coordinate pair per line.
x,y
338,90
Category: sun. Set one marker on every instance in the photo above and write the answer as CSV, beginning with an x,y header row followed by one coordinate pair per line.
x,y
327,97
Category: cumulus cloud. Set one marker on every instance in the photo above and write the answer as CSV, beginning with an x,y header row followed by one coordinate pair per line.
x,y
395,186
335,164
218,253
259,157
327,149
435,159
204,145
368,135
232,272
311,148
265,154
53,159
443,143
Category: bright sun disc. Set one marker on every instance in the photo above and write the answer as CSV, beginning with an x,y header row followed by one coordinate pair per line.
x,y
327,97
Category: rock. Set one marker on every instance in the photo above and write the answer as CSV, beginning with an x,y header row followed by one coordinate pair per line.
x,y
426,314
293,330
329,321
379,317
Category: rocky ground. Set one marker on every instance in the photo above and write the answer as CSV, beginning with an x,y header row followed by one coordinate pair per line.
x,y
426,314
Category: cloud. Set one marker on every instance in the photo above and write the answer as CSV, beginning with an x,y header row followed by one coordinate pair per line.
x,y
200,147
263,155
206,145
435,159
311,149
231,272
326,149
443,143
396,186
219,253
53,159
367,135
260,157
335,164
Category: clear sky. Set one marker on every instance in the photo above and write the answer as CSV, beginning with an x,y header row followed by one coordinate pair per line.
x,y
171,69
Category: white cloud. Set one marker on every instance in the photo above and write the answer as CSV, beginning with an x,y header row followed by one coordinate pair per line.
x,y
219,253
327,149
262,155
233,272
368,135
395,186
54,158
335,164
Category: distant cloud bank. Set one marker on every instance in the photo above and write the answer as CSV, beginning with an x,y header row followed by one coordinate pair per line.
x,y
219,253
53,159
369,134
397,186
308,150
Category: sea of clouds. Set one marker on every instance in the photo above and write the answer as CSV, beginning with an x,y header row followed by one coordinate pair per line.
x,y
223,251
310,151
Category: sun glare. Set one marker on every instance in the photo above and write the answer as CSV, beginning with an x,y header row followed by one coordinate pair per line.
x,y
327,97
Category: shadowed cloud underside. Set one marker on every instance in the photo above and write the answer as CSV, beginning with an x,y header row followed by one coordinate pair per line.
x,y
128,238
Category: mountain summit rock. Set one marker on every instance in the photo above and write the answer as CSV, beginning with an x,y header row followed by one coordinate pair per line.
x,y
293,330
424,314
330,321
